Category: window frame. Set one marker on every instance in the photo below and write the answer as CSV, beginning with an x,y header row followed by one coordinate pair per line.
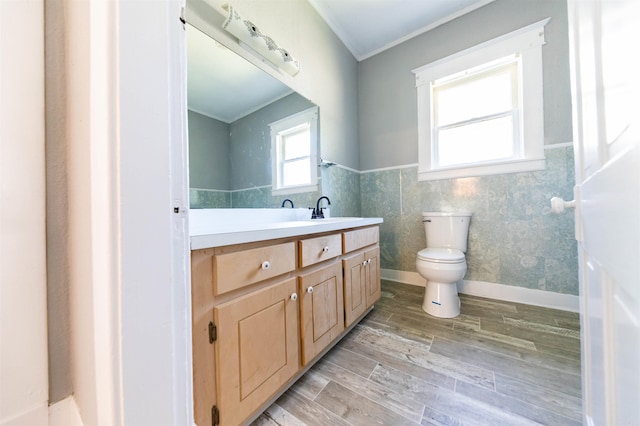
x,y
285,125
527,44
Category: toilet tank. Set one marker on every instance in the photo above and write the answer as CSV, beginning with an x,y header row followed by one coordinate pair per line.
x,y
447,230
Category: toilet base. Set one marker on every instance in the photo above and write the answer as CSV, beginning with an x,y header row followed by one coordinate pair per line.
x,y
441,300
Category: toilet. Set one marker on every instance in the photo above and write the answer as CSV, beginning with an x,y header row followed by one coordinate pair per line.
x,y
443,263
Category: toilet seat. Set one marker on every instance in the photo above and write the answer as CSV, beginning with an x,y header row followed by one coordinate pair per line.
x,y
441,255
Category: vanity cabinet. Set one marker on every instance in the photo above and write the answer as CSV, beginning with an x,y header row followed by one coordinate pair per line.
x,y
263,312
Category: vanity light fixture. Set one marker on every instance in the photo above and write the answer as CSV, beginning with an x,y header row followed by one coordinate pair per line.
x,y
246,32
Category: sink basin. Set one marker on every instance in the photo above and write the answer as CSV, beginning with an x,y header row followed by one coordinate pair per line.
x,y
334,220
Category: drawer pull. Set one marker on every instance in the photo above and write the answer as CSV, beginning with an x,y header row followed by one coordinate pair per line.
x,y
310,290
325,249
266,265
294,296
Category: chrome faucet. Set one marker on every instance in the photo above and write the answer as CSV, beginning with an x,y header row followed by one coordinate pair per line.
x,y
317,212
285,202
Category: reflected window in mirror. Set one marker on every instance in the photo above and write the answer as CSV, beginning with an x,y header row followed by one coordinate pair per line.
x,y
294,151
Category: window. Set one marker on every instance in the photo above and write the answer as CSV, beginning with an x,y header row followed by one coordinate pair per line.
x,y
480,110
294,142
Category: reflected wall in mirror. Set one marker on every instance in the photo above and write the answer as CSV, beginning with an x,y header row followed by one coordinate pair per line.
x,y
230,106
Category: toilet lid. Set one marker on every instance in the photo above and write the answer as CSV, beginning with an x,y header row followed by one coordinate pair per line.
x,y
441,255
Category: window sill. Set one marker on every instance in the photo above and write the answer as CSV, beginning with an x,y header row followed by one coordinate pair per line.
x,y
512,166
295,190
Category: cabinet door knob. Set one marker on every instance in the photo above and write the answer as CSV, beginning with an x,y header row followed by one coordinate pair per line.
x,y
294,296
325,249
310,290
266,265
364,263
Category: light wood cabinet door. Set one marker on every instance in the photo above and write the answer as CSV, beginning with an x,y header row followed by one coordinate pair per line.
x,y
321,309
355,300
372,275
257,349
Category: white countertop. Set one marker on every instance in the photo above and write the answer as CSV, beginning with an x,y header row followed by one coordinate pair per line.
x,y
210,229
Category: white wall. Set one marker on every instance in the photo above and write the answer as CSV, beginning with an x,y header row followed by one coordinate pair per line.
x,y
23,326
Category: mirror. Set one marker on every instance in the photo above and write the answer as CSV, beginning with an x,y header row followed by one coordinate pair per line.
x,y
230,104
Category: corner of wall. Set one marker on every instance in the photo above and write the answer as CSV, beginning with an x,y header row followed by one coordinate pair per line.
x,y
65,413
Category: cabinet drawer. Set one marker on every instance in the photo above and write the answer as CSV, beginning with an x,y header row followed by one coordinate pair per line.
x,y
232,271
315,250
353,240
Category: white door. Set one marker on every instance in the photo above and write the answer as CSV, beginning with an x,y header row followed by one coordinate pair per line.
x,y
606,103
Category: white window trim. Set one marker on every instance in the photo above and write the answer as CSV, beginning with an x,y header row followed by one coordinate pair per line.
x,y
526,41
311,116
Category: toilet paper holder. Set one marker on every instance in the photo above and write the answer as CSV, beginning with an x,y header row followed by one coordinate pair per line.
x,y
558,205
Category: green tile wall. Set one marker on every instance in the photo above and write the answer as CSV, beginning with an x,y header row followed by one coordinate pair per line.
x,y
341,185
209,199
514,239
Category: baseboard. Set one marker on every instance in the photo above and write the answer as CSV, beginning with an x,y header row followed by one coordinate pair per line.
x,y
65,413
404,277
507,293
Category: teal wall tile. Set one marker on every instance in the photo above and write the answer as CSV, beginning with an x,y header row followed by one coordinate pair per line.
x,y
513,237
209,199
342,186
380,193
252,198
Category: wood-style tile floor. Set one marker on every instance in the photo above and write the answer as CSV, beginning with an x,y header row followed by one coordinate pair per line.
x,y
498,363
